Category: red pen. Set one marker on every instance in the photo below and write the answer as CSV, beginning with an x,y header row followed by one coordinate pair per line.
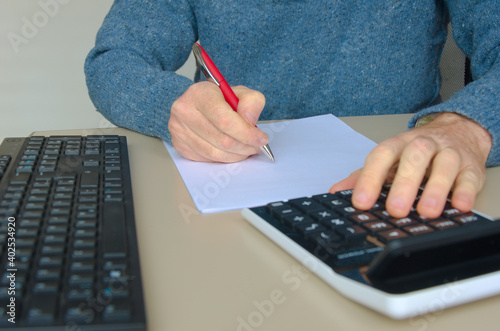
x,y
213,74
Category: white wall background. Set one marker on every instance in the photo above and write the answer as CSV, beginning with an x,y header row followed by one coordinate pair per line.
x,y
43,45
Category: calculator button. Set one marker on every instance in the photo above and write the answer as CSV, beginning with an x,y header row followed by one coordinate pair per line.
x,y
388,235
376,226
443,224
400,222
352,234
418,229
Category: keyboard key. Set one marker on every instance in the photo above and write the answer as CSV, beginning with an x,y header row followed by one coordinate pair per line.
x,y
82,266
21,178
48,274
46,286
117,311
89,179
79,295
83,254
113,176
115,264
83,280
114,243
42,308
50,261
76,312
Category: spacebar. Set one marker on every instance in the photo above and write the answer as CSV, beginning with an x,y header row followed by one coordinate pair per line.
x,y
114,242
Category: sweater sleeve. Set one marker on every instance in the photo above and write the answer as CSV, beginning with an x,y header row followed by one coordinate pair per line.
x,y
130,72
476,29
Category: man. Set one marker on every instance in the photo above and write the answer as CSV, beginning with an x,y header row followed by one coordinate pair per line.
x,y
292,59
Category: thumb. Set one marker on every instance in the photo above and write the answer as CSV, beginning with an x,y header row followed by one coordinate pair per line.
x,y
346,183
251,103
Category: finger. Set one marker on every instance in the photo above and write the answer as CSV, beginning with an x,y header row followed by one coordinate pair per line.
x,y
467,185
207,109
199,140
346,183
187,152
375,171
218,145
227,121
192,147
445,168
415,159
250,105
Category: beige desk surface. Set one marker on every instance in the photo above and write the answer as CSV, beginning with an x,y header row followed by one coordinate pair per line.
x,y
212,271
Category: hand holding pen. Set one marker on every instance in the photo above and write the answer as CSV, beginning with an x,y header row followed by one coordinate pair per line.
x,y
213,74
204,127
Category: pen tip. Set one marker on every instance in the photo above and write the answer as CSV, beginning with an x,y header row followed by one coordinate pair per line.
x,y
268,152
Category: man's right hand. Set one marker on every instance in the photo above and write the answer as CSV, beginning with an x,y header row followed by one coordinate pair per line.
x,y
205,128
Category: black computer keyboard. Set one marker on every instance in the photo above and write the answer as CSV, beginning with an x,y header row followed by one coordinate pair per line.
x,y
69,254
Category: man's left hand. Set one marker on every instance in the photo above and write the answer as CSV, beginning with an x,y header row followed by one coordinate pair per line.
x,y
449,154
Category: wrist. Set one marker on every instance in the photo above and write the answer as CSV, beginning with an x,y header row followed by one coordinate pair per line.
x,y
462,125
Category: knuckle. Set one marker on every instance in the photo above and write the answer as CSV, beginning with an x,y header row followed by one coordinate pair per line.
x,y
180,106
224,123
420,151
173,125
473,176
405,176
368,176
226,142
258,97
440,182
423,145
249,95
384,150
450,155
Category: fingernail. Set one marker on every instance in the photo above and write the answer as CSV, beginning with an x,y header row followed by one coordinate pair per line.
x,y
397,203
250,118
462,201
361,198
429,203
262,142
464,198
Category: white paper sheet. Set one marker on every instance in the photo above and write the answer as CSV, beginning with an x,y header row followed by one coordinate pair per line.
x,y
311,154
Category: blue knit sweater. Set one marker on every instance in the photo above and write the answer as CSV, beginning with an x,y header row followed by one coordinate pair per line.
x,y
345,57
